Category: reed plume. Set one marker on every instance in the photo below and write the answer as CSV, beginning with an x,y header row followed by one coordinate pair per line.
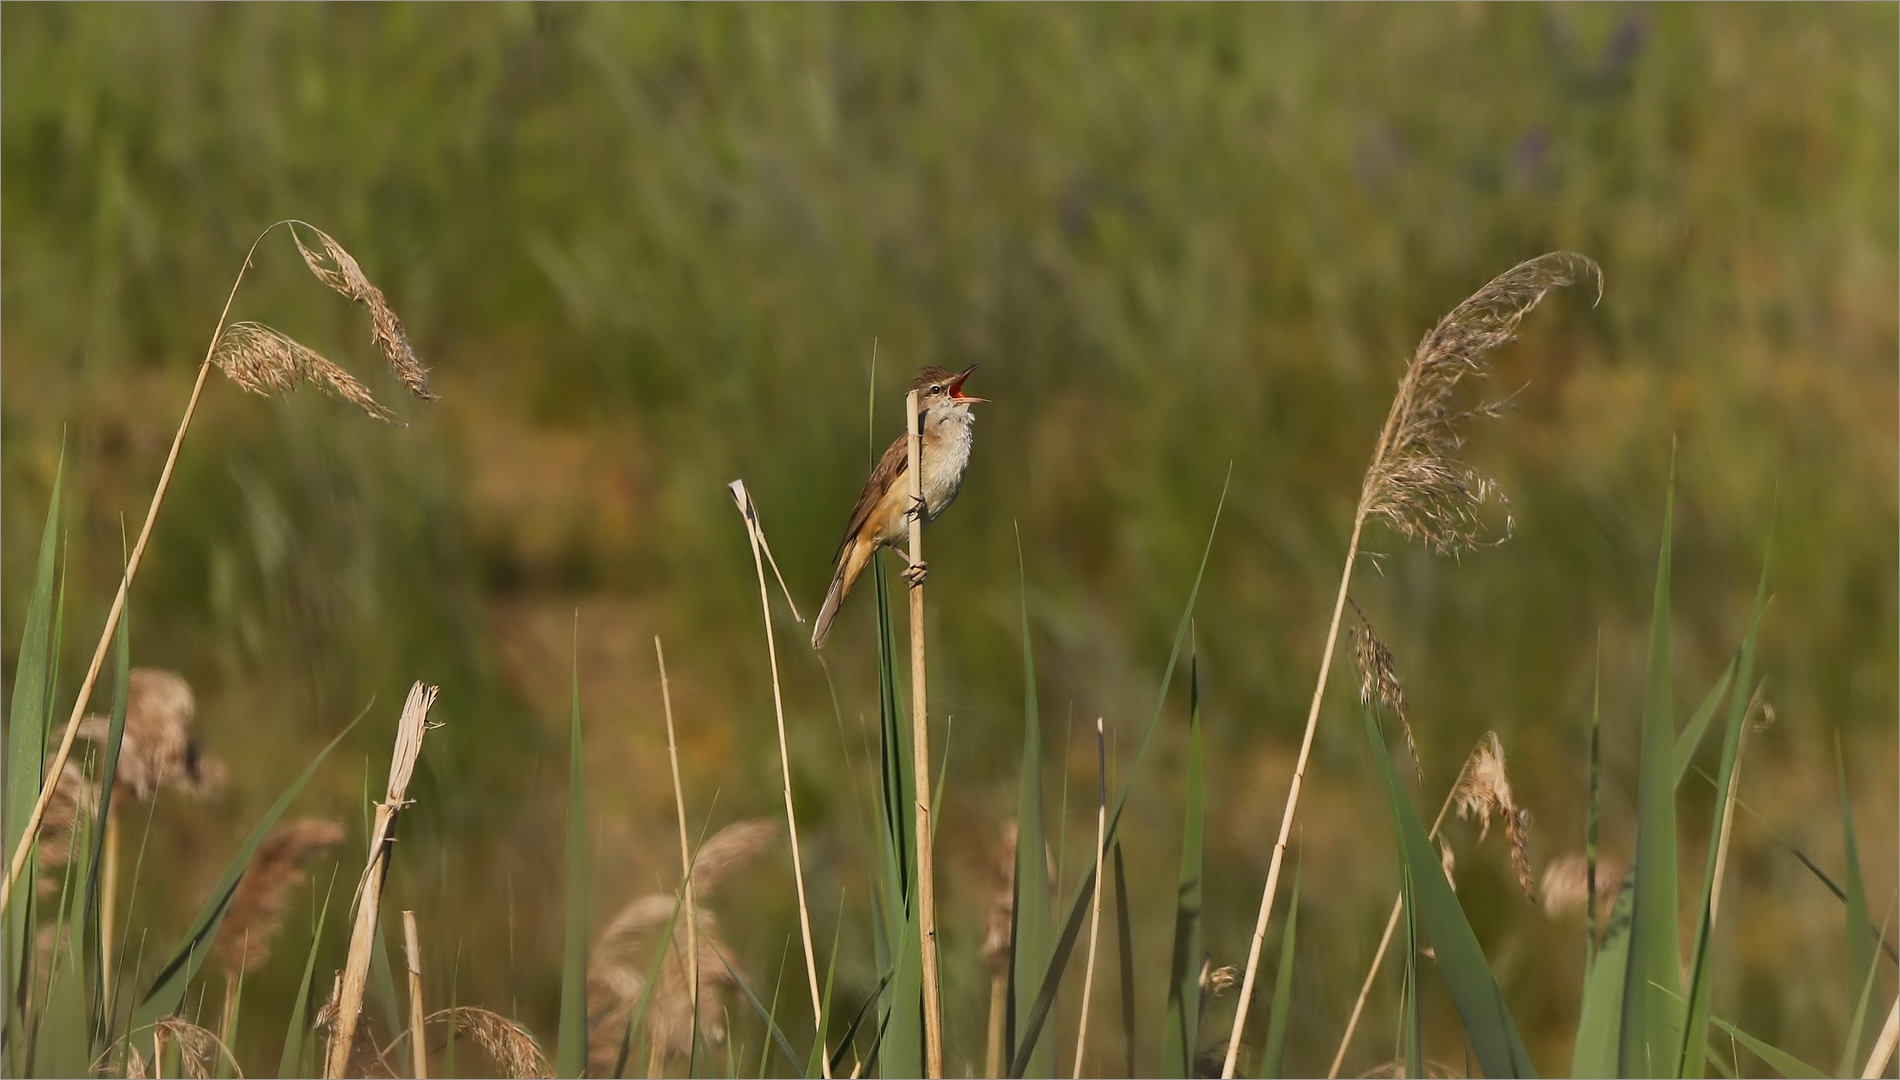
x,y
1417,486
75,799
257,908
615,984
158,749
199,1051
335,268
509,1045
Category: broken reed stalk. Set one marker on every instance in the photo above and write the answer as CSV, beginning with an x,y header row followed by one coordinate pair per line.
x,y
369,891
418,1046
686,854
755,534
262,359
1095,904
1385,942
920,763
1415,485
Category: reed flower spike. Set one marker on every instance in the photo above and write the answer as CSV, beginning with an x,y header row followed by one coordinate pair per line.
x,y
257,909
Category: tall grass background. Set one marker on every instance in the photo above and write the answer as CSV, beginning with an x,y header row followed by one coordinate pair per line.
x,y
646,250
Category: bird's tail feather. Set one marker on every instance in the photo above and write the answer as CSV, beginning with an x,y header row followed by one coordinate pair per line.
x,y
849,567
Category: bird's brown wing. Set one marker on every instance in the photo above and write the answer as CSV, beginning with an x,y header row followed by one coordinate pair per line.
x,y
892,466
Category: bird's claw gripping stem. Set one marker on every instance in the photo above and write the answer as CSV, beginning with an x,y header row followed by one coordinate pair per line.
x,y
916,572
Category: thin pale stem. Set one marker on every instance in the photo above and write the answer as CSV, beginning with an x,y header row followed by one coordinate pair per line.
x,y
1883,1046
1385,942
1728,818
412,948
1095,903
31,832
108,902
686,856
920,771
999,1005
757,537
1293,793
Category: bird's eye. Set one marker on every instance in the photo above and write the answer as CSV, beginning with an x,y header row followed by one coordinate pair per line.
x,y
938,389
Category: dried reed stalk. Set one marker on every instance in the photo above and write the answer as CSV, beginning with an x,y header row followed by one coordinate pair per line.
x,y
412,950
920,760
1095,904
1483,789
686,853
257,908
1883,1046
506,1043
369,891
756,535
1416,486
334,268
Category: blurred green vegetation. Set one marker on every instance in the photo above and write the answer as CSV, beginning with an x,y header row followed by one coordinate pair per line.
x,y
647,249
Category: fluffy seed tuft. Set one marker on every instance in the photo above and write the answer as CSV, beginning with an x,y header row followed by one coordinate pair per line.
x,y
1484,793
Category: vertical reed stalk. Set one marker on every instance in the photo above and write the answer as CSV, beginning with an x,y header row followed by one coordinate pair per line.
x,y
1095,905
999,1007
108,903
402,765
920,772
756,536
686,856
1391,925
1883,1046
418,1046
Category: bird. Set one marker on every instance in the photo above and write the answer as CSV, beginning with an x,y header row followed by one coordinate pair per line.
x,y
885,506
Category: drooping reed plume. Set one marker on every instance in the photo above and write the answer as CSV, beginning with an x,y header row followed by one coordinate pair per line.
x,y
258,359
199,1051
1418,487
616,977
509,1045
1481,790
257,908
158,749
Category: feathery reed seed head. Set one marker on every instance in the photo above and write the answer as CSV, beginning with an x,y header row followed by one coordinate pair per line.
x,y
1484,792
1566,883
257,908
1379,679
75,796
1416,483
158,750
337,269
509,1045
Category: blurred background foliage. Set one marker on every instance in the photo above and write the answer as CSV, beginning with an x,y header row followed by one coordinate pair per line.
x,y
647,249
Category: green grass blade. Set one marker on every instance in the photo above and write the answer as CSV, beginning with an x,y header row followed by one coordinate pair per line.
x,y
903,1028
1181,1032
28,718
1695,1030
1860,952
850,1035
93,948
1856,1049
815,1064
1600,1022
1691,737
291,1060
1032,922
1460,961
1124,941
1652,999
1780,1060
168,987
1078,911
570,1056
1411,1029
1272,1058
1590,823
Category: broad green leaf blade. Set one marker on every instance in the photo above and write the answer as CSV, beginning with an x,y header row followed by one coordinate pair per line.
x,y
1411,1030
1272,1059
1181,1033
570,1058
1652,998
168,987
1124,941
1780,1060
291,1060
1851,1048
28,718
1032,924
1078,911
1860,951
89,897
1695,1030
903,1038
1459,959
1600,1024
1684,752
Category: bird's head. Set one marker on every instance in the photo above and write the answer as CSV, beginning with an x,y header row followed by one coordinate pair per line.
x,y
941,386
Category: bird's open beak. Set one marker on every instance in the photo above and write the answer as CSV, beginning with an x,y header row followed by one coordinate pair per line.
x,y
956,387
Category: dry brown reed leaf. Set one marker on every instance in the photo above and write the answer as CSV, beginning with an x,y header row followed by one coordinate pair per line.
x,y
509,1045
257,908
1484,793
158,750
337,269
1379,679
1416,483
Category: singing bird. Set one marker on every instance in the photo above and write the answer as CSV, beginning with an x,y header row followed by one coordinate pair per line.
x,y
884,508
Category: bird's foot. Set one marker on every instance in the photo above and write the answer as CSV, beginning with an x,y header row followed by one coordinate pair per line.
x,y
917,507
916,572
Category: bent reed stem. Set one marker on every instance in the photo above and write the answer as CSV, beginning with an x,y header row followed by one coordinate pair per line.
x,y
686,856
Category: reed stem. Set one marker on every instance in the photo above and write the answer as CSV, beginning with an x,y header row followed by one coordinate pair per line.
x,y
920,765
686,857
418,1046
1095,904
